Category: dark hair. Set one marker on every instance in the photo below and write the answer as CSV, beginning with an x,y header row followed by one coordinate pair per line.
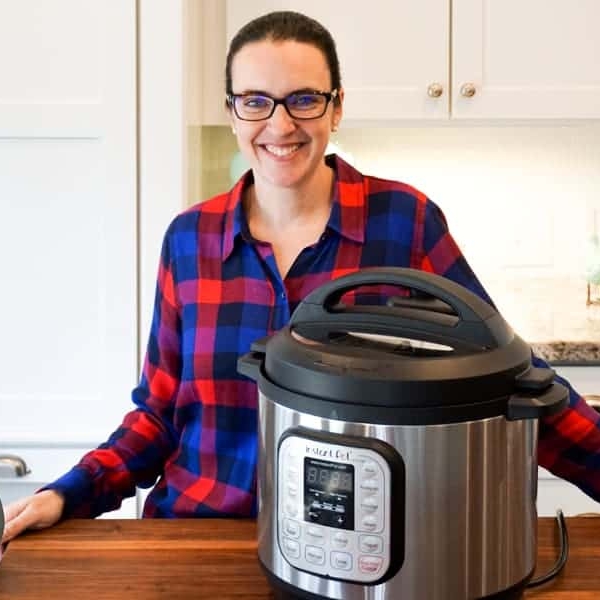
x,y
281,26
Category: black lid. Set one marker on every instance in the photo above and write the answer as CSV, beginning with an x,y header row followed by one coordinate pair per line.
x,y
461,354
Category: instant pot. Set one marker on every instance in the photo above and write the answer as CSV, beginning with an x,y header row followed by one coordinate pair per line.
x,y
397,444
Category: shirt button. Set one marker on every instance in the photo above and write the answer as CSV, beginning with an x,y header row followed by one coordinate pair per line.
x,y
283,295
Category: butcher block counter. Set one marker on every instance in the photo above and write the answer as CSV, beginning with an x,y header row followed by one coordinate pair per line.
x,y
212,558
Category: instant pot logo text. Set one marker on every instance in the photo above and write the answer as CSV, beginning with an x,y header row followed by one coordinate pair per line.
x,y
333,453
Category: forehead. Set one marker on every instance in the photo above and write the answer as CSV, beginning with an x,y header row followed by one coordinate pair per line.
x,y
279,67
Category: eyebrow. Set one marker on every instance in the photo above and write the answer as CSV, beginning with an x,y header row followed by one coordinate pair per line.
x,y
303,90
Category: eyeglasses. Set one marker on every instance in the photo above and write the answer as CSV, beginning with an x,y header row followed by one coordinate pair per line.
x,y
299,105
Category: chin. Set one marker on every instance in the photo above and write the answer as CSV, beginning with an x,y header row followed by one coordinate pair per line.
x,y
285,178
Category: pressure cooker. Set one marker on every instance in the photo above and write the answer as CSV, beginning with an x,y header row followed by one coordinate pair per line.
x,y
397,444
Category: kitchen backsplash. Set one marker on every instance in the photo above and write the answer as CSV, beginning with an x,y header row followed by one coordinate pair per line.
x,y
523,203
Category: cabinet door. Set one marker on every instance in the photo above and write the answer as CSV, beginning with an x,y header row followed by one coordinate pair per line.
x,y
391,52
534,59
68,218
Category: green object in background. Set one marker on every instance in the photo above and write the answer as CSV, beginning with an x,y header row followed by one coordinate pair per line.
x,y
237,167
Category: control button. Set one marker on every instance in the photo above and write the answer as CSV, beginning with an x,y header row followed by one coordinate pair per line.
x,y
370,564
340,540
292,474
370,468
315,534
369,485
291,509
341,560
369,504
371,544
291,548
314,555
369,523
292,489
292,528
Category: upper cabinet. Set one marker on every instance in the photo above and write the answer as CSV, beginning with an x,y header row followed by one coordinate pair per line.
x,y
433,59
525,60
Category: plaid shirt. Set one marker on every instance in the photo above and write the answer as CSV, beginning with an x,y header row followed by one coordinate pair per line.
x,y
194,425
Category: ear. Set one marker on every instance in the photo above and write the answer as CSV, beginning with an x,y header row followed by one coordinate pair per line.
x,y
230,116
338,110
231,120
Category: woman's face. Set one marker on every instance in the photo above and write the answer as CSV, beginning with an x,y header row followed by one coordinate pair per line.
x,y
283,151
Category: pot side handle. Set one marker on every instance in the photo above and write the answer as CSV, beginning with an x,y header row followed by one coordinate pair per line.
x,y
531,405
249,364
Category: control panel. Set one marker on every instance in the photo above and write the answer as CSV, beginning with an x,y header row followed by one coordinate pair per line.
x,y
334,503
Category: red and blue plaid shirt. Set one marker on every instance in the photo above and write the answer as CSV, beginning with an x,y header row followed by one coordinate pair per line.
x,y
194,426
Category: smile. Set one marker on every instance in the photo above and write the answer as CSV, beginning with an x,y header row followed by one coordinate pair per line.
x,y
282,150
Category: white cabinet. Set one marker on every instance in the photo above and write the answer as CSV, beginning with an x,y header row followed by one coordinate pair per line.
x,y
527,60
68,229
68,201
435,59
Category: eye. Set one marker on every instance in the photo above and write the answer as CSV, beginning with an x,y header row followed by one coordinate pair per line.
x,y
303,101
253,102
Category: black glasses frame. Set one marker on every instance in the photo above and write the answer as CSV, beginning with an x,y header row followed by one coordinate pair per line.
x,y
329,96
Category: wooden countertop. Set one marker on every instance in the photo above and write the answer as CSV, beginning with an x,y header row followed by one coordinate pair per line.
x,y
212,558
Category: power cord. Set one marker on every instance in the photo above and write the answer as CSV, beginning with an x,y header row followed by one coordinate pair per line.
x,y
564,552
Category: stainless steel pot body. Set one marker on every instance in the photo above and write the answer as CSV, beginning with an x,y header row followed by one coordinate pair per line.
x,y
470,506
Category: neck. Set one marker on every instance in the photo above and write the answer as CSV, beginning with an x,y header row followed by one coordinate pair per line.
x,y
276,208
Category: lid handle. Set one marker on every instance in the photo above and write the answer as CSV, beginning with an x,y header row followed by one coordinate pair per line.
x,y
474,325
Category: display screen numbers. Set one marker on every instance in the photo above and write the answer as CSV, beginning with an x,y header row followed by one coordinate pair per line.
x,y
329,493
328,479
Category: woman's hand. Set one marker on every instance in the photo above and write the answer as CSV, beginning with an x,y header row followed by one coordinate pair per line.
x,y
33,512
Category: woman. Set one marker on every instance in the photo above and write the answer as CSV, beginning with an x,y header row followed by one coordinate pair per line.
x,y
234,268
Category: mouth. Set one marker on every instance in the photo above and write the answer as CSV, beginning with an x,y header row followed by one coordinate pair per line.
x,y
282,150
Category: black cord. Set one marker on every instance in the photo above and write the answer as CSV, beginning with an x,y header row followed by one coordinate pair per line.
x,y
564,552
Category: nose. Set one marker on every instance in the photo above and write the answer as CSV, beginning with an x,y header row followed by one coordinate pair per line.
x,y
281,121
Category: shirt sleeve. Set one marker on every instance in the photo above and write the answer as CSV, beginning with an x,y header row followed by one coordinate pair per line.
x,y
569,442
134,454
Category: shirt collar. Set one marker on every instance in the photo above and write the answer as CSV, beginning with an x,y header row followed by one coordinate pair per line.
x,y
348,207
347,211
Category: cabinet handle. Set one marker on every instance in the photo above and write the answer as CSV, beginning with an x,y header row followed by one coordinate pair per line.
x,y
435,90
468,90
13,466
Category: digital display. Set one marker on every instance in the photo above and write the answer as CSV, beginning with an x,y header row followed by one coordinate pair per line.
x,y
329,493
330,480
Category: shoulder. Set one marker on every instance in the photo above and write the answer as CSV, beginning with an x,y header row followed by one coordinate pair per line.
x,y
393,188
399,197
349,176
211,210
182,233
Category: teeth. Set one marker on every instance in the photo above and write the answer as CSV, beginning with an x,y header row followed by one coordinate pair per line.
x,y
282,150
